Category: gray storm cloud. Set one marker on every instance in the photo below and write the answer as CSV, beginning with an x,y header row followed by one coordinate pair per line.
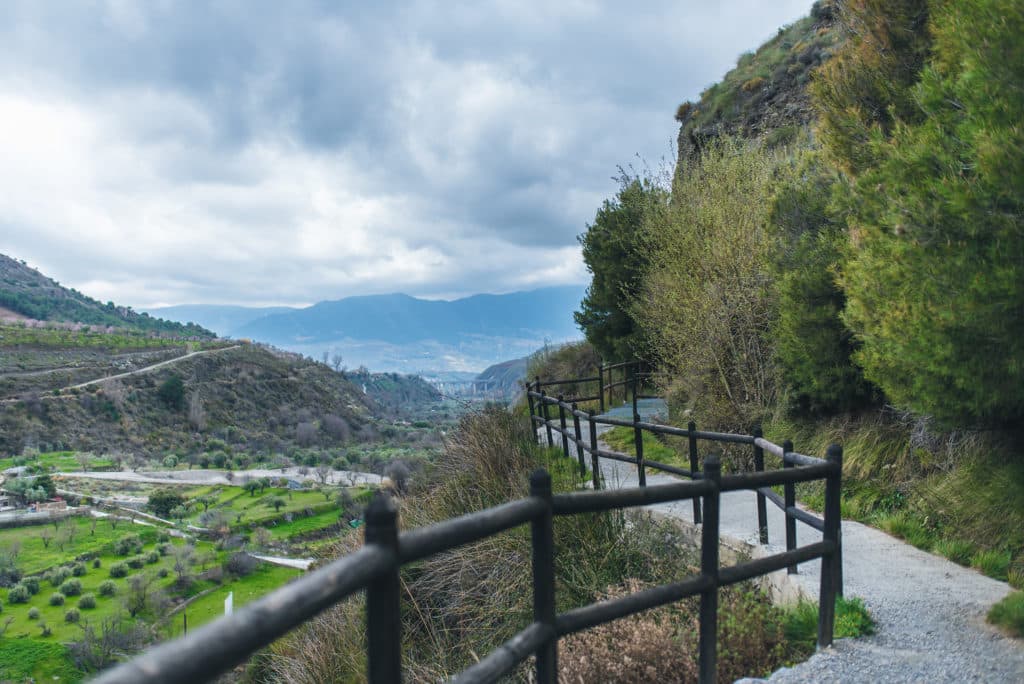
x,y
264,152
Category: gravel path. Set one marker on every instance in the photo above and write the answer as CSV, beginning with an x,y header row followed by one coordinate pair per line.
x,y
930,612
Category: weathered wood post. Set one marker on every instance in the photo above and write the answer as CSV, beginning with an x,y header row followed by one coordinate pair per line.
x,y
691,427
595,468
600,383
561,423
529,401
635,388
831,563
579,439
543,543
789,490
708,660
762,509
383,610
545,416
638,443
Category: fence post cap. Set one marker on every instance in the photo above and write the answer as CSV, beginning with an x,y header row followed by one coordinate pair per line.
x,y
787,446
381,509
712,462
540,481
834,453
758,432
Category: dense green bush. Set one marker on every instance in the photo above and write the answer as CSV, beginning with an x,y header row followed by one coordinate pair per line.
x,y
72,615
109,587
78,569
136,562
813,346
128,544
58,576
57,599
33,613
32,584
71,588
18,594
87,602
119,570
934,280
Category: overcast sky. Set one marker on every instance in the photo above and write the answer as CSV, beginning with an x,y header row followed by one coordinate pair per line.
x,y
160,152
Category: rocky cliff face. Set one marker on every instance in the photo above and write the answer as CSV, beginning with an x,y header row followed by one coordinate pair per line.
x,y
765,95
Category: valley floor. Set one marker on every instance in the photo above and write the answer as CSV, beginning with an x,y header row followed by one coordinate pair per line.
x,y
930,612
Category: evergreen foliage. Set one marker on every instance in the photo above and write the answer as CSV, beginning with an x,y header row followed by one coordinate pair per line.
x,y
614,253
934,277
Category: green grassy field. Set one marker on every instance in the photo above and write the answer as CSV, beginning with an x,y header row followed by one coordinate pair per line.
x,y
211,606
35,556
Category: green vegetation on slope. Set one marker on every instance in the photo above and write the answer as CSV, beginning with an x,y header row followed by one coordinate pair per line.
x,y
28,292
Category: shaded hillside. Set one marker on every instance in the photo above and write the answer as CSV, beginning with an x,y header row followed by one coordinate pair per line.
x,y
394,393
29,293
766,93
507,376
243,399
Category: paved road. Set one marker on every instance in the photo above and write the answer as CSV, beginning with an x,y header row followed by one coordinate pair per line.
x,y
930,611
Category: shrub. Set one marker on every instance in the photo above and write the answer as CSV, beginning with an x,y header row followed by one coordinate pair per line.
x,y
136,562
78,569
241,564
163,572
108,587
118,570
1009,614
32,584
71,588
995,564
96,562
33,613
72,615
153,557
57,599
87,602
163,549
128,544
58,576
18,594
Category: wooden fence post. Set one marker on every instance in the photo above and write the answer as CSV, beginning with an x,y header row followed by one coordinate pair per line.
x,y
694,468
579,440
594,458
789,489
600,383
762,509
561,423
635,388
708,649
831,564
529,401
544,415
383,609
638,443
543,543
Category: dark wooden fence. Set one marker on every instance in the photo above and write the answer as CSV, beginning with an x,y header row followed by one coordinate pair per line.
x,y
374,568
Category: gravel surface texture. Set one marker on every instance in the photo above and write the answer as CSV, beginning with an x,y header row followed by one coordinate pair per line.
x,y
930,612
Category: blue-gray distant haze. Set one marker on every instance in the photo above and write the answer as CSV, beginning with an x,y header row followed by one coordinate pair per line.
x,y
265,153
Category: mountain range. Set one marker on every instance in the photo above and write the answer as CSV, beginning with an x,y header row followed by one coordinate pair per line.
x,y
397,332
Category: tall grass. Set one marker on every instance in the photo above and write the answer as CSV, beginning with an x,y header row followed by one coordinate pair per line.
x,y
458,606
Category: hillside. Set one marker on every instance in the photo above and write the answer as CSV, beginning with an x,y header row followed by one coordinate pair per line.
x,y
505,378
27,293
766,93
243,399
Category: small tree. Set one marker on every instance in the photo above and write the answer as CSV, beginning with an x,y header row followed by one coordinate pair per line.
x,y
277,502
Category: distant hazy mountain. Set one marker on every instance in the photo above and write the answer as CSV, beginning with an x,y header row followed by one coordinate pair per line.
x,y
397,332
401,319
222,319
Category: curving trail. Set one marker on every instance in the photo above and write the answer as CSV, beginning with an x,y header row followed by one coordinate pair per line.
x,y
930,612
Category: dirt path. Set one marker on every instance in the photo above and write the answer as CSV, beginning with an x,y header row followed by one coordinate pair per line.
x,y
147,369
929,611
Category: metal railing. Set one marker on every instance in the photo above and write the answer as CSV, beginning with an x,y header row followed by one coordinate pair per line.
x,y
210,650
